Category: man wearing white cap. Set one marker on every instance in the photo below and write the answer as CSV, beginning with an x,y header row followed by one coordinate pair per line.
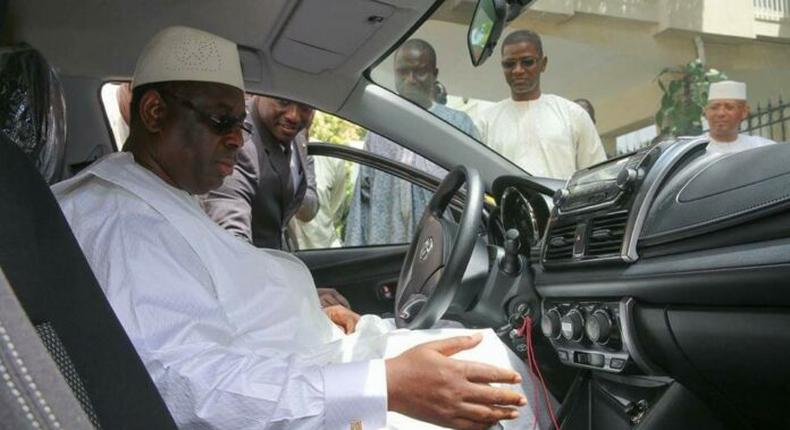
x,y
234,336
725,111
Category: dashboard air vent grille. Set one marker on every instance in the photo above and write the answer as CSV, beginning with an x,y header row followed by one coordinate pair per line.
x,y
560,243
606,234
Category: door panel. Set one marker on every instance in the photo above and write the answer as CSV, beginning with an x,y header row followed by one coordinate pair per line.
x,y
359,273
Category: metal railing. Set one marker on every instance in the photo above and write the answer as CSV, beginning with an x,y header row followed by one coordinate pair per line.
x,y
772,10
771,121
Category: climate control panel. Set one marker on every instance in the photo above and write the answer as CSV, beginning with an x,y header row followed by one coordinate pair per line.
x,y
586,334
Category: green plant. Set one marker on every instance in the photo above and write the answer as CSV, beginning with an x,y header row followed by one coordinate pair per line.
x,y
331,129
685,91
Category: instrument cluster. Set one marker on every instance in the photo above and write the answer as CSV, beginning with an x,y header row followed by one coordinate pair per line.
x,y
525,211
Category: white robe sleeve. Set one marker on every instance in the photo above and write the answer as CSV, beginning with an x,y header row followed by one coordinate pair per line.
x,y
210,374
481,124
589,149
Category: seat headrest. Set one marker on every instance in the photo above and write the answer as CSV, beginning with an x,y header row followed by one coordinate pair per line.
x,y
33,109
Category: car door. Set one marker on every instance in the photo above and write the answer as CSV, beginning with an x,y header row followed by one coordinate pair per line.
x,y
365,259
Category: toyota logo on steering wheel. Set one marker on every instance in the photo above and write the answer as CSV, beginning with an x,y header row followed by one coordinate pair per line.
x,y
426,248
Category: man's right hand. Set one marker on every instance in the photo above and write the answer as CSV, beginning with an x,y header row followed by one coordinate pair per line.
x,y
424,383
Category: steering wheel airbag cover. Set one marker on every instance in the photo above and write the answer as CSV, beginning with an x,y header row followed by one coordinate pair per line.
x,y
438,255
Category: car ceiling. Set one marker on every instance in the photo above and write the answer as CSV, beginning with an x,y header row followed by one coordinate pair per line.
x,y
313,51
291,48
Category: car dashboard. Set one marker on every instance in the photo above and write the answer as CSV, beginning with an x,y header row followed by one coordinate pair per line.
x,y
667,263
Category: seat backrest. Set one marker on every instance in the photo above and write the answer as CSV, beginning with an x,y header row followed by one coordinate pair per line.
x,y
60,295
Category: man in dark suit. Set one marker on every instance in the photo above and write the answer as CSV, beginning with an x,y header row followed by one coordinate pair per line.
x,y
272,180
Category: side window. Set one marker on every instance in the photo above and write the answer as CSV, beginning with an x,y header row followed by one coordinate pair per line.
x,y
360,205
116,97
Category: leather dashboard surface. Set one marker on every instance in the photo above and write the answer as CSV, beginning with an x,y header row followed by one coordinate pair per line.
x,y
710,193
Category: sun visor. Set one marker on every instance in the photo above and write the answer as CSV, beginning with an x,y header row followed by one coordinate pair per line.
x,y
321,34
33,109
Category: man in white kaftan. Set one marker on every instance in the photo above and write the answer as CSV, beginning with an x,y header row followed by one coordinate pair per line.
x,y
725,111
330,183
550,136
741,143
232,335
544,134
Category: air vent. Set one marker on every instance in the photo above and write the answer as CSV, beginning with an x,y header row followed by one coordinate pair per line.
x,y
559,245
606,234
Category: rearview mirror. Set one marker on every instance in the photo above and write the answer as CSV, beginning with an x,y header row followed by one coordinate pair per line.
x,y
485,29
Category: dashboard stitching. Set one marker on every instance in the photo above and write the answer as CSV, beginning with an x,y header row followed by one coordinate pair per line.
x,y
728,216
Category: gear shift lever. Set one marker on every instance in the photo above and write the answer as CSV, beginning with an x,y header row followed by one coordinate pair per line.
x,y
511,264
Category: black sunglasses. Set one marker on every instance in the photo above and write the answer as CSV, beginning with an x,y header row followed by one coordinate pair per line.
x,y
220,124
525,63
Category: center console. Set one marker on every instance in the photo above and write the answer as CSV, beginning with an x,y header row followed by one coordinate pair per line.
x,y
594,334
597,216
594,211
586,334
596,220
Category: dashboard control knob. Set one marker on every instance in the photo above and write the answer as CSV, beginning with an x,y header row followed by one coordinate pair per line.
x,y
572,325
598,326
627,177
560,196
550,323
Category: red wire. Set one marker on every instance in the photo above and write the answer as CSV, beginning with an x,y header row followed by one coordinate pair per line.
x,y
535,393
532,362
546,395
521,332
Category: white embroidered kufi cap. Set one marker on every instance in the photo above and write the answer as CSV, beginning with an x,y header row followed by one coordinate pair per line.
x,y
186,54
728,90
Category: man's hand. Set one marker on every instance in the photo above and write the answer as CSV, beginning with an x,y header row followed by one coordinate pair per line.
x,y
343,317
330,297
426,384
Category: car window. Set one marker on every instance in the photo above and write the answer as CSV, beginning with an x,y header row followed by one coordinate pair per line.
x,y
358,206
570,84
115,97
361,205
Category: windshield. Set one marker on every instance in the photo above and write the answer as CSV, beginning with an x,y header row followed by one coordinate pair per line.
x,y
572,84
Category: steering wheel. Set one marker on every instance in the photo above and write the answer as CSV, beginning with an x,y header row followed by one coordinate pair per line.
x,y
439,253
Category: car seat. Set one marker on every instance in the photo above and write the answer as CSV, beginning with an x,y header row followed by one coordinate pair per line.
x,y
46,269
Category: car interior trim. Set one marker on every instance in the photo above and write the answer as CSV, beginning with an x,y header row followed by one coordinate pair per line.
x,y
629,338
650,187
